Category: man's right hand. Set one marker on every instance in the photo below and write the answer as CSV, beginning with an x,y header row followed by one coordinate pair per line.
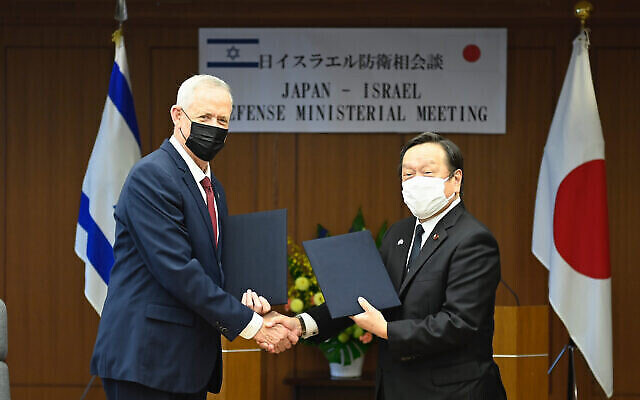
x,y
291,323
278,332
273,338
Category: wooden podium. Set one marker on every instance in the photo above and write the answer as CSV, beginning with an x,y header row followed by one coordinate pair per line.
x,y
520,348
241,371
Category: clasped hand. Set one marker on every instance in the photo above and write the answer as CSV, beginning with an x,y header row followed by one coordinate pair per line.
x,y
278,332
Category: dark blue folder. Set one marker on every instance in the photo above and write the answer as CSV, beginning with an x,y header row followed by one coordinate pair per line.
x,y
347,267
254,254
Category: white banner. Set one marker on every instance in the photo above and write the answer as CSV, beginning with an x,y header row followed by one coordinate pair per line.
x,y
361,80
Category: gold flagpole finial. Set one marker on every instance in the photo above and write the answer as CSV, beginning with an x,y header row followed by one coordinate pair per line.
x,y
116,37
121,15
583,10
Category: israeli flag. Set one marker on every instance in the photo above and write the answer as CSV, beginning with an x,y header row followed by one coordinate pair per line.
x,y
116,150
232,52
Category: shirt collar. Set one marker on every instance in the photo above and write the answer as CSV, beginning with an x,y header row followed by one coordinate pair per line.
x,y
430,224
197,173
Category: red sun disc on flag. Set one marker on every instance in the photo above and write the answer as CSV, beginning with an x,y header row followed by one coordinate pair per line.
x,y
471,53
580,220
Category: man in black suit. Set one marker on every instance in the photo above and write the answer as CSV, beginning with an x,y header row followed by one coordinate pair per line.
x,y
445,267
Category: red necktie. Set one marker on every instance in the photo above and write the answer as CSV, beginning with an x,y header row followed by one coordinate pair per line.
x,y
211,205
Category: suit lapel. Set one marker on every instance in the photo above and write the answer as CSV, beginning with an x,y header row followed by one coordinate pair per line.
x,y
399,253
187,177
436,238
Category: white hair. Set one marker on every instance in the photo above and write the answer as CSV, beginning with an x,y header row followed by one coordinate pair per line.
x,y
189,86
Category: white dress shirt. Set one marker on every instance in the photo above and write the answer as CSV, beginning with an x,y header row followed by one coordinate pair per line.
x,y
428,225
198,175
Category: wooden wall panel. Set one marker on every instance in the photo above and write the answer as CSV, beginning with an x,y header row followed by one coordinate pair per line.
x,y
55,392
3,173
165,80
51,125
319,13
617,88
235,166
276,175
339,173
501,172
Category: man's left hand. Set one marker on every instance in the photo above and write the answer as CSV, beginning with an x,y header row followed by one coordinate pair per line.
x,y
255,302
371,319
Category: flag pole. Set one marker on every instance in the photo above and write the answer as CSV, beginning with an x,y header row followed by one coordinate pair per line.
x,y
572,388
120,16
582,10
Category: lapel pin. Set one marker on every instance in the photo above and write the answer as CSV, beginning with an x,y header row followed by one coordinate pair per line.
x,y
436,236
401,241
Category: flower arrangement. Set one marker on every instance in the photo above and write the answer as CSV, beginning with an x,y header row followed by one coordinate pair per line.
x,y
304,293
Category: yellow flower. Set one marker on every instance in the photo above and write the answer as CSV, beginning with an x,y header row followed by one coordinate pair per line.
x,y
297,305
302,283
343,337
357,332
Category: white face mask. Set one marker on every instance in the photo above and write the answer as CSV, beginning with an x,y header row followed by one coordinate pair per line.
x,y
424,195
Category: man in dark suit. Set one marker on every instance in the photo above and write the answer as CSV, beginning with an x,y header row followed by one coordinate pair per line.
x,y
159,336
445,267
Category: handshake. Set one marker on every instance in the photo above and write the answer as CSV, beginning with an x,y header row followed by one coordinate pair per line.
x,y
278,332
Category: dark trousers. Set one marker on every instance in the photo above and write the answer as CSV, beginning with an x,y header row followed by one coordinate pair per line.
x,y
487,387
123,390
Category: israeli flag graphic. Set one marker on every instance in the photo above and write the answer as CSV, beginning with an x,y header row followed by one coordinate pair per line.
x,y
233,53
116,150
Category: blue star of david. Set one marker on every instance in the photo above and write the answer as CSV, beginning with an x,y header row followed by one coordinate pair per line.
x,y
233,53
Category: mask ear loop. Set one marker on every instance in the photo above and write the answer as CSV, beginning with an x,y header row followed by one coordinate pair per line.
x,y
186,115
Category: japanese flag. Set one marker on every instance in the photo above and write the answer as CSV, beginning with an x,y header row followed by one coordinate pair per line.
x,y
570,228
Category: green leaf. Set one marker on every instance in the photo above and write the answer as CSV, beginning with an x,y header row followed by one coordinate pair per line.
x,y
381,232
363,347
358,222
346,357
355,351
322,232
331,349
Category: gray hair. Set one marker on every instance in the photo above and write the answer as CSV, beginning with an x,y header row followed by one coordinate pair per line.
x,y
189,86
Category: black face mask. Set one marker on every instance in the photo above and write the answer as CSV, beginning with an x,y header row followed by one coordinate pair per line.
x,y
205,141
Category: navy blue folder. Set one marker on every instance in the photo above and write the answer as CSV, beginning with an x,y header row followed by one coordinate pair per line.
x,y
347,267
254,254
